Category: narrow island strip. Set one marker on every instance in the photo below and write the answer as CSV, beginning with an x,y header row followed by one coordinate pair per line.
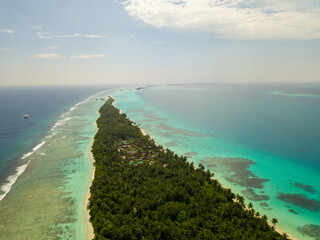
x,y
142,191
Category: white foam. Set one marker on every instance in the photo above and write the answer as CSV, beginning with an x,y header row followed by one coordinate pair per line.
x,y
33,150
65,114
73,108
76,105
27,155
39,146
51,135
60,123
12,179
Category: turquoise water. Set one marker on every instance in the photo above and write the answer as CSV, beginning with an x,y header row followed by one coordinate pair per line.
x,y
260,140
50,181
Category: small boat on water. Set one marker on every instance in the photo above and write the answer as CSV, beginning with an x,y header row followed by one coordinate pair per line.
x,y
26,116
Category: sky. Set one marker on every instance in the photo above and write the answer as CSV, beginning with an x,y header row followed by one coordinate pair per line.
x,y
59,42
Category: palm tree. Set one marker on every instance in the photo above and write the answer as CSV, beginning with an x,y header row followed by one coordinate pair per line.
x,y
265,217
285,236
240,200
274,221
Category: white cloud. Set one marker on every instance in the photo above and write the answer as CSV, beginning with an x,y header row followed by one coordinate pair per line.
x,y
10,31
4,49
93,36
235,19
48,56
88,56
43,35
36,26
57,56
52,47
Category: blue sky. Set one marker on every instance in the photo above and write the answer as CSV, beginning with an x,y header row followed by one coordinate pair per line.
x,y
158,41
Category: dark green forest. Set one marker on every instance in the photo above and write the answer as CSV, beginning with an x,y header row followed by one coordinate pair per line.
x,y
142,191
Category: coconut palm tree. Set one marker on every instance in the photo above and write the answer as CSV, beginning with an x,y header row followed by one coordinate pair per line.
x,y
240,200
274,221
285,236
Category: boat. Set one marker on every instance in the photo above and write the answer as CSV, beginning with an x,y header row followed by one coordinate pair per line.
x,y
26,116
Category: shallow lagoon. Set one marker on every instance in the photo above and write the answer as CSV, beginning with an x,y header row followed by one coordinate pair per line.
x,y
264,146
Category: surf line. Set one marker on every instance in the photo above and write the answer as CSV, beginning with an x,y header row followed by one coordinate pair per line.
x,y
19,170
6,187
33,150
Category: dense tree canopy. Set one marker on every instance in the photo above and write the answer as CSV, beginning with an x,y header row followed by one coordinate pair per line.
x,y
167,198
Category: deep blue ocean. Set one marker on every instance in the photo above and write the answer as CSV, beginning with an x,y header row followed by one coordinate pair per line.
x,y
43,105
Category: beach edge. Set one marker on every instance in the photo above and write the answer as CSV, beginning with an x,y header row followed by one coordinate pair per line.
x,y
89,224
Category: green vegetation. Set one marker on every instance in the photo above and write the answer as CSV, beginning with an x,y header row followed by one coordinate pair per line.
x,y
142,191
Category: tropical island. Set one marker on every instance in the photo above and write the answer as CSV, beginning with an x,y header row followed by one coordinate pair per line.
x,y
143,191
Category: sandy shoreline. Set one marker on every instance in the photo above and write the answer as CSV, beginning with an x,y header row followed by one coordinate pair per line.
x,y
279,230
90,227
143,131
